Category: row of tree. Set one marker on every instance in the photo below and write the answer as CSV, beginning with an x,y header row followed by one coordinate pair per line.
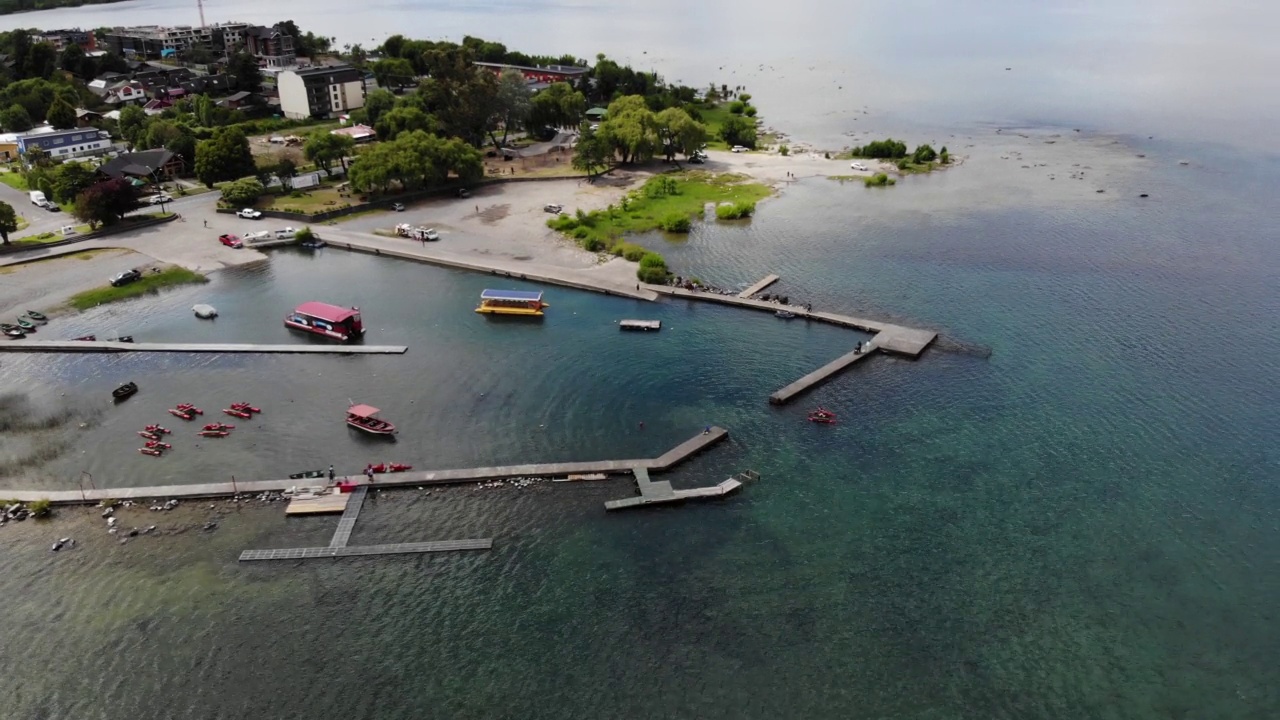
x,y
634,133
414,160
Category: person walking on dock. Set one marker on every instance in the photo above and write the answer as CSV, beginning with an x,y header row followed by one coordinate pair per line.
x,y
331,473
368,471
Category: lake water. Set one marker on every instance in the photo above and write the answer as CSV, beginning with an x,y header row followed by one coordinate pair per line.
x,y
1082,525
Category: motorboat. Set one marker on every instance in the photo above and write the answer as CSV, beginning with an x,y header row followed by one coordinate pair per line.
x,y
85,338
361,417
325,320
38,317
122,338
785,314
242,414
205,312
125,391
822,415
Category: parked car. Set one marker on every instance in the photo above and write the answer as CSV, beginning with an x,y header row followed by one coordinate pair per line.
x,y
859,166
249,214
230,241
398,207
464,193
286,233
161,198
430,235
51,207
553,208
126,277
737,149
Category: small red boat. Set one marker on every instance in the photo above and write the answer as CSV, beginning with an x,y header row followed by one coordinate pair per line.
x,y
361,417
157,444
153,452
188,407
157,429
822,415
390,467
218,426
243,415
148,435
245,407
182,414
213,433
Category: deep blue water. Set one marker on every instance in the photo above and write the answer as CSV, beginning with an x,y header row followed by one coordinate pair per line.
x,y
1083,524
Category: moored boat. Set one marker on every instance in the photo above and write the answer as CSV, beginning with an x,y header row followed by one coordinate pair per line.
x,y
308,475
148,435
213,433
85,338
189,408
218,426
26,324
157,429
246,407
361,417
243,415
325,320
182,414
38,317
390,467
14,331
125,391
158,444
153,452
512,302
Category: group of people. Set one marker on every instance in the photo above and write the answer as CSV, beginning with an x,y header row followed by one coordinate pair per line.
x,y
368,472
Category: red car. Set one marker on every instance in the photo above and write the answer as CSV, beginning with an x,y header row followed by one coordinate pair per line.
x,y
230,241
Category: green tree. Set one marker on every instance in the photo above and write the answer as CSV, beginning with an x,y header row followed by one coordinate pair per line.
x,y
737,107
8,221
923,154
70,179
245,73
593,153
630,129
61,115
106,202
132,123
15,118
225,156
403,119
244,192
559,105
205,110
678,132
512,104
72,60
42,60
377,103
324,149
737,130
394,72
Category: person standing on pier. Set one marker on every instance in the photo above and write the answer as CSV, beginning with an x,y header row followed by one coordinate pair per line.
x,y
368,471
330,473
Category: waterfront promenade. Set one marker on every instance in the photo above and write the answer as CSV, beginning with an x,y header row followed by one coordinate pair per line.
x,y
107,346
667,460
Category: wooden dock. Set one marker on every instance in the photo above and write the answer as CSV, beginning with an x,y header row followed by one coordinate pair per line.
x,y
703,440
347,522
764,283
103,346
661,493
819,376
641,325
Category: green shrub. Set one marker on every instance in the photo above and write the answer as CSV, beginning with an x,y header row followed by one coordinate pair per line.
x,y
304,235
744,97
750,111
653,260
783,150
888,149
40,508
655,276
879,180
592,244
630,251
737,107
581,233
735,211
563,223
243,192
676,223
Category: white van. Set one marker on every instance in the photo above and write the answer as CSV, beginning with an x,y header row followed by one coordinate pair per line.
x,y
38,198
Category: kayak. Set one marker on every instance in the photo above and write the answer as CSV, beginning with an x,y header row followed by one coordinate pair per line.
x,y
237,413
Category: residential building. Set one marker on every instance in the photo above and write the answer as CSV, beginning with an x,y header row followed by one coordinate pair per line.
x,y
272,47
60,39
547,74
148,165
154,41
321,92
65,144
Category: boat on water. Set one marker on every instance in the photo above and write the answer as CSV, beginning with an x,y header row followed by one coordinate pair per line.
x,y
245,407
822,415
218,426
125,391
242,414
213,433
205,312
38,317
325,320
85,338
390,467
785,314
159,445
512,302
189,408
180,413
361,417
157,429
308,475
153,452
148,435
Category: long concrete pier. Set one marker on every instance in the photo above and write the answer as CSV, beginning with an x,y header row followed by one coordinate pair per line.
x,y
764,283
102,346
661,493
818,376
667,460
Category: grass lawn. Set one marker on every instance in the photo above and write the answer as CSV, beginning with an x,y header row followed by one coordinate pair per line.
x,y
645,209
713,116
150,284
311,201
14,180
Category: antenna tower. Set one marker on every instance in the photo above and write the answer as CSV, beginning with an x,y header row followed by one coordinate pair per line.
x,y
200,5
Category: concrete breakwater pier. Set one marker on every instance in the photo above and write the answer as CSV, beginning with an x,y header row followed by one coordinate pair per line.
x,y
106,346
705,439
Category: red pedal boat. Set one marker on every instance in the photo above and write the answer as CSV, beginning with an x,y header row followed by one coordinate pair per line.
x,y
822,415
213,433
189,408
390,467
246,407
361,417
218,426
157,429
153,452
185,415
148,435
158,445
242,414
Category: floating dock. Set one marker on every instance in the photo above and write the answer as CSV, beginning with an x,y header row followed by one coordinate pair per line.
x,y
764,283
104,346
640,325
338,545
819,376
326,504
685,450
661,493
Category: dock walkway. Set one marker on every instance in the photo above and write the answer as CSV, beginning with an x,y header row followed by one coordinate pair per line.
x,y
819,376
672,457
347,522
661,492
104,346
764,283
